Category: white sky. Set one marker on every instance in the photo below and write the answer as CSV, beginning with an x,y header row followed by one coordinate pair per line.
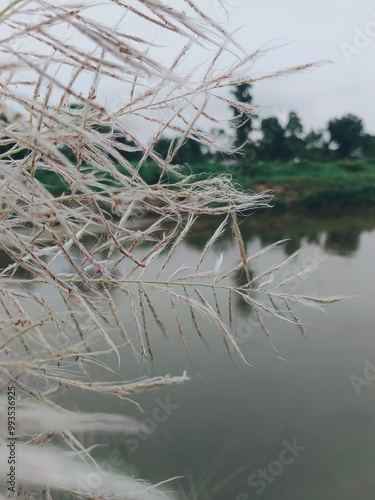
x,y
314,31
308,31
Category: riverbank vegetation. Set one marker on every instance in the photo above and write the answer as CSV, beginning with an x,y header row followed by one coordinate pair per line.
x,y
299,184
331,167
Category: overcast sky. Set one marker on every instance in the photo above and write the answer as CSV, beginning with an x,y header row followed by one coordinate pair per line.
x,y
317,30
343,32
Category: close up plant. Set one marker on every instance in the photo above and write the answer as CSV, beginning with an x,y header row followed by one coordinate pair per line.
x,y
59,66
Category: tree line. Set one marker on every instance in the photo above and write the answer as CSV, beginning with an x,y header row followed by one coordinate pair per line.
x,y
255,139
269,140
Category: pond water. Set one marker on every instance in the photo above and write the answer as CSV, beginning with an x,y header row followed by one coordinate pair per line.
x,y
227,429
299,422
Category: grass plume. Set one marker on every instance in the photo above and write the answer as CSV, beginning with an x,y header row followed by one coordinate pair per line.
x,y
58,62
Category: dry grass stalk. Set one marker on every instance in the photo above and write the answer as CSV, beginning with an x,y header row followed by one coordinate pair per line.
x,y
54,56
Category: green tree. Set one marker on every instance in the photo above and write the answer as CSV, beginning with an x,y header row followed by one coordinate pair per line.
x,y
294,127
368,148
242,122
293,133
347,135
191,152
316,148
273,145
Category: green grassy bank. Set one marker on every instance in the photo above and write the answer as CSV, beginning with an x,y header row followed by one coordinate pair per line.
x,y
316,185
307,184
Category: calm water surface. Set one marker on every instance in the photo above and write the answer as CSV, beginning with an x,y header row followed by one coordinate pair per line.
x,y
229,430
231,421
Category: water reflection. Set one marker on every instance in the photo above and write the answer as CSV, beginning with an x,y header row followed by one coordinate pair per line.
x,y
240,279
343,242
338,235
231,420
